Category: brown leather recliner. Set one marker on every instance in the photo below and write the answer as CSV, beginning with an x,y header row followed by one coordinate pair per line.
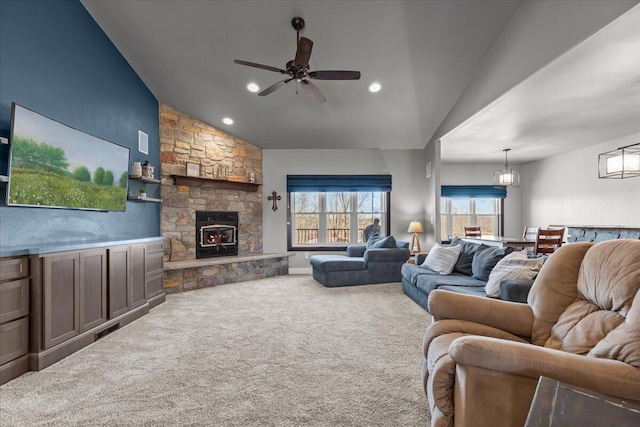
x,y
581,325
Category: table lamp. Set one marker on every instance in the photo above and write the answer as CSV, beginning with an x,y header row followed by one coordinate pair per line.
x,y
415,227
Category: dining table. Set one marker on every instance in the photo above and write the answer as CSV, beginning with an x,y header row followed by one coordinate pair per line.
x,y
502,241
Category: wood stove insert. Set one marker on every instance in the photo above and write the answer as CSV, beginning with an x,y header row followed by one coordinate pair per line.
x,y
216,234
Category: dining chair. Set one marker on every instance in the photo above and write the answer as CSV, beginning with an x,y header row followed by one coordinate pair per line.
x,y
472,232
530,233
548,240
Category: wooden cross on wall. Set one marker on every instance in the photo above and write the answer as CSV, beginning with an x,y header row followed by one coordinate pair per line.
x,y
274,198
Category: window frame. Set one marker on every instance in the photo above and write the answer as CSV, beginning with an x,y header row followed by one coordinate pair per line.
x,y
499,221
354,213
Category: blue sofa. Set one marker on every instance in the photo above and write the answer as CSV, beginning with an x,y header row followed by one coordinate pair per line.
x,y
361,266
418,281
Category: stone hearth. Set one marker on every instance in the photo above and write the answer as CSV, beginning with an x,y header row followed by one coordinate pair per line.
x,y
204,273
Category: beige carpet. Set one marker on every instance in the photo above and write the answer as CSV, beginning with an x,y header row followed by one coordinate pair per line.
x,y
284,351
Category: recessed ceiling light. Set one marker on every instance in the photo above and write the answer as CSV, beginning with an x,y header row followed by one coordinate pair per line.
x,y
252,87
227,121
374,87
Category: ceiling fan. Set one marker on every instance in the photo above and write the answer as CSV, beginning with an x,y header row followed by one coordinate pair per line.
x,y
298,68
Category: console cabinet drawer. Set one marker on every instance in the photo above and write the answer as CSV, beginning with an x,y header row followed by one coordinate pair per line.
x,y
154,286
13,268
14,338
154,247
154,270
14,300
153,262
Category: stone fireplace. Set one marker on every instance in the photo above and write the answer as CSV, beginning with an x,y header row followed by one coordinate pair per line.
x,y
205,217
216,234
185,139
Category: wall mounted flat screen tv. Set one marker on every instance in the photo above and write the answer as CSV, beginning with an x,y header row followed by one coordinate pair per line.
x,y
56,166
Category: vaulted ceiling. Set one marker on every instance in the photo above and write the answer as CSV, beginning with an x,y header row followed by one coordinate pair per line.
x,y
423,53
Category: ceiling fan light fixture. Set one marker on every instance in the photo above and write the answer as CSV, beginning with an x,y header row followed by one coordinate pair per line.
x,y
375,87
298,68
227,121
253,87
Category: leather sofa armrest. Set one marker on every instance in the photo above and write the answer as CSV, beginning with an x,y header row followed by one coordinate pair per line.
x,y
515,318
515,290
356,250
606,376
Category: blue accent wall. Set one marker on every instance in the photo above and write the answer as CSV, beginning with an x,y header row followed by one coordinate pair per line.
x,y
57,61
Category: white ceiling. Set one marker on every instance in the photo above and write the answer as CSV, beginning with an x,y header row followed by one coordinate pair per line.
x,y
423,53
589,95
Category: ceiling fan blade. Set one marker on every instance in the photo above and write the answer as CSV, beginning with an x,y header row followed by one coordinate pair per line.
x,y
274,87
335,75
264,67
303,53
312,90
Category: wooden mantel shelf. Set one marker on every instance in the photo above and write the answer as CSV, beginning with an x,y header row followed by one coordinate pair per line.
x,y
194,181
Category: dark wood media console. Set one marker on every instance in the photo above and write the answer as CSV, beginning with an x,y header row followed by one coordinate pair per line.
x,y
53,303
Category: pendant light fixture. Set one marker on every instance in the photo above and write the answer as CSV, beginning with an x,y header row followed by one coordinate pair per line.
x,y
507,177
621,163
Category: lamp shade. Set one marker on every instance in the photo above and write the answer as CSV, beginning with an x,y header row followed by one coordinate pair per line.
x,y
415,227
623,162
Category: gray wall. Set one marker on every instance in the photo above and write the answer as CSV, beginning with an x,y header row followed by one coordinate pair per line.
x,y
566,190
406,167
482,174
432,196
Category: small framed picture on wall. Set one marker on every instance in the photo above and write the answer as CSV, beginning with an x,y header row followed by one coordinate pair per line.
x,y
193,169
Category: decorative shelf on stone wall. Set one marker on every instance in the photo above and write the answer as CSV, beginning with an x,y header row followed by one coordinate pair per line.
x,y
194,181
143,199
145,179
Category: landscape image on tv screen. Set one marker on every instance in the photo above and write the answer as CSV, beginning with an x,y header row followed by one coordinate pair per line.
x,y
54,165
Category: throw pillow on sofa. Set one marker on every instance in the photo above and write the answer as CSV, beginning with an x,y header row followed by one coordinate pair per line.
x,y
514,266
467,251
485,259
377,241
442,258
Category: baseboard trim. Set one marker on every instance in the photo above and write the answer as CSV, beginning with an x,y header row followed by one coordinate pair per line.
x,y
46,358
157,300
300,270
14,369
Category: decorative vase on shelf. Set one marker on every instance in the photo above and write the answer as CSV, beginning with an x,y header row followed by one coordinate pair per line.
x,y
136,169
148,171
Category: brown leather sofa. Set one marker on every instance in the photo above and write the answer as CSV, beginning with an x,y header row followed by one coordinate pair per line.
x,y
580,325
